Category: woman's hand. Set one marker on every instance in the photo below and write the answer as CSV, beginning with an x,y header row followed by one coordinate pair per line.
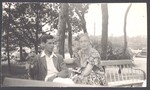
x,y
77,79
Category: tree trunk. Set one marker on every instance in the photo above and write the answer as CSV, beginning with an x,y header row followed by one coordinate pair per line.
x,y
69,35
125,36
7,49
62,27
20,45
81,16
37,31
84,24
104,30
69,38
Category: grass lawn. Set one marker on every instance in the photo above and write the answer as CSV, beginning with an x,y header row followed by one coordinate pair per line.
x,y
17,70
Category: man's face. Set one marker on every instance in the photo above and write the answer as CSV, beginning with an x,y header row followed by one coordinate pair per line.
x,y
49,45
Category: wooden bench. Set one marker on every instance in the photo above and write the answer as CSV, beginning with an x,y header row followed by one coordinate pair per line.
x,y
14,82
122,73
119,73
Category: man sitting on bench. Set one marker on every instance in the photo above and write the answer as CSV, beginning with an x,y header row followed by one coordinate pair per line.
x,y
48,66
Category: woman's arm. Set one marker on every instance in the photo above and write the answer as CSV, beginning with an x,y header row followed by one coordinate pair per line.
x,y
87,70
91,62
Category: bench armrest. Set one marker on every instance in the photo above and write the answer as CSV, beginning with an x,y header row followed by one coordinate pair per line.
x,y
144,74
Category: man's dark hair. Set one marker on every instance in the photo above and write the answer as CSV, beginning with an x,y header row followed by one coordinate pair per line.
x,y
44,38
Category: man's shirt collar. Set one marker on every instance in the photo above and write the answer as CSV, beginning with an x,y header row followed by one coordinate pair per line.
x,y
43,54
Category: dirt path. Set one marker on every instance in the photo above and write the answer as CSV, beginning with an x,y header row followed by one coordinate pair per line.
x,y
141,63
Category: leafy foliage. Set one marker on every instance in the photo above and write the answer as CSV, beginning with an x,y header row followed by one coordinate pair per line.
x,y
23,20
77,16
114,51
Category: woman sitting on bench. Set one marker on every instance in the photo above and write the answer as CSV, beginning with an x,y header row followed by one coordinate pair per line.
x,y
89,70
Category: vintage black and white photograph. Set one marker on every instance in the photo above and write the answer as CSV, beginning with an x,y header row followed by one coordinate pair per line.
x,y
48,44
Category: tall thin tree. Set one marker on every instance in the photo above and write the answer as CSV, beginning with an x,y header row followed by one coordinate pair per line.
x,y
125,36
37,27
62,27
69,37
7,49
104,29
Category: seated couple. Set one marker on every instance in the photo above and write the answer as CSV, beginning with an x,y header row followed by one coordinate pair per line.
x,y
49,66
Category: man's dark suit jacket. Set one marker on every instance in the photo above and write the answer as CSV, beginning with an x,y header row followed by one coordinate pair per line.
x,y
39,69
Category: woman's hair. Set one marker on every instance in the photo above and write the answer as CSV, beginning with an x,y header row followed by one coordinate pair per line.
x,y
85,35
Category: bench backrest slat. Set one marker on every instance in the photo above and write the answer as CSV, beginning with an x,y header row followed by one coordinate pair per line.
x,y
115,62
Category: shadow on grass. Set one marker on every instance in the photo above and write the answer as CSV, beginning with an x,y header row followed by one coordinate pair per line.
x,y
18,70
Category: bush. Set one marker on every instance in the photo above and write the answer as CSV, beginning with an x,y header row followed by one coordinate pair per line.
x,y
114,51
118,53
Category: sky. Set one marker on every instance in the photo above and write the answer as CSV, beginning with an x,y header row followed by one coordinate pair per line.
x,y
136,19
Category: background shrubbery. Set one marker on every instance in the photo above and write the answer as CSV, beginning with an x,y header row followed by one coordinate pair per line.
x,y
115,46
114,51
